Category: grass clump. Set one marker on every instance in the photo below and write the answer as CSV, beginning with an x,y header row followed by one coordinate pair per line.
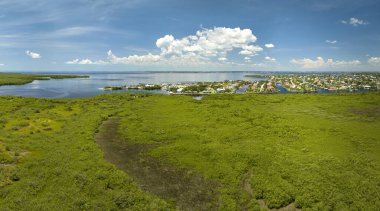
x,y
5,155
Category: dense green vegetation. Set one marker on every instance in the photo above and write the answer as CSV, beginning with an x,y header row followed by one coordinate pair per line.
x,y
19,79
195,88
259,151
111,88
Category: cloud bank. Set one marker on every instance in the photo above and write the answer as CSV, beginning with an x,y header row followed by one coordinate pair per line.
x,y
86,61
206,46
355,22
319,62
213,47
374,61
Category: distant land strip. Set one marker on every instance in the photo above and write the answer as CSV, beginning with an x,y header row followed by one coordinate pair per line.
x,y
21,79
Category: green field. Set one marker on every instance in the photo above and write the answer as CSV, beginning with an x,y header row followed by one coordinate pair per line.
x,y
19,79
314,152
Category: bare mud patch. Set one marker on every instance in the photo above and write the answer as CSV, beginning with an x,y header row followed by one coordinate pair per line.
x,y
184,188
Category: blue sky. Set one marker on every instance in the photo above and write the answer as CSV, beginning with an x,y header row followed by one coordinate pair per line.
x,y
132,35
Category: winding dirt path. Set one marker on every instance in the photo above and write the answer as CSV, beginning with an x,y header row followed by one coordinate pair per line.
x,y
186,189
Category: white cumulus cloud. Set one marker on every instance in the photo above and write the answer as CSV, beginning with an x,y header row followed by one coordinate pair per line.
x,y
270,59
319,62
374,61
331,41
33,55
269,45
2,64
86,61
250,50
148,58
216,42
355,22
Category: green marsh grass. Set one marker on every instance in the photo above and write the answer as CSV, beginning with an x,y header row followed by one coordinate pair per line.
x,y
315,152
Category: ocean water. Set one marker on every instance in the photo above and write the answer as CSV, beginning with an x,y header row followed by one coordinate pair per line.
x,y
87,87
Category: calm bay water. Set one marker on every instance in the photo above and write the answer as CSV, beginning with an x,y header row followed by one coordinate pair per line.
x,y
86,87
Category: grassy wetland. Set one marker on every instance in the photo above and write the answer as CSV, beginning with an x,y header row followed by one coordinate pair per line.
x,y
159,152
20,79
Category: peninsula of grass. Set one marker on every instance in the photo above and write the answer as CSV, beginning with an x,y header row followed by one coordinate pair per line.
x,y
20,79
225,152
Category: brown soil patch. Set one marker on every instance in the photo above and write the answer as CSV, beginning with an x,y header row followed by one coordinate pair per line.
x,y
372,112
186,189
